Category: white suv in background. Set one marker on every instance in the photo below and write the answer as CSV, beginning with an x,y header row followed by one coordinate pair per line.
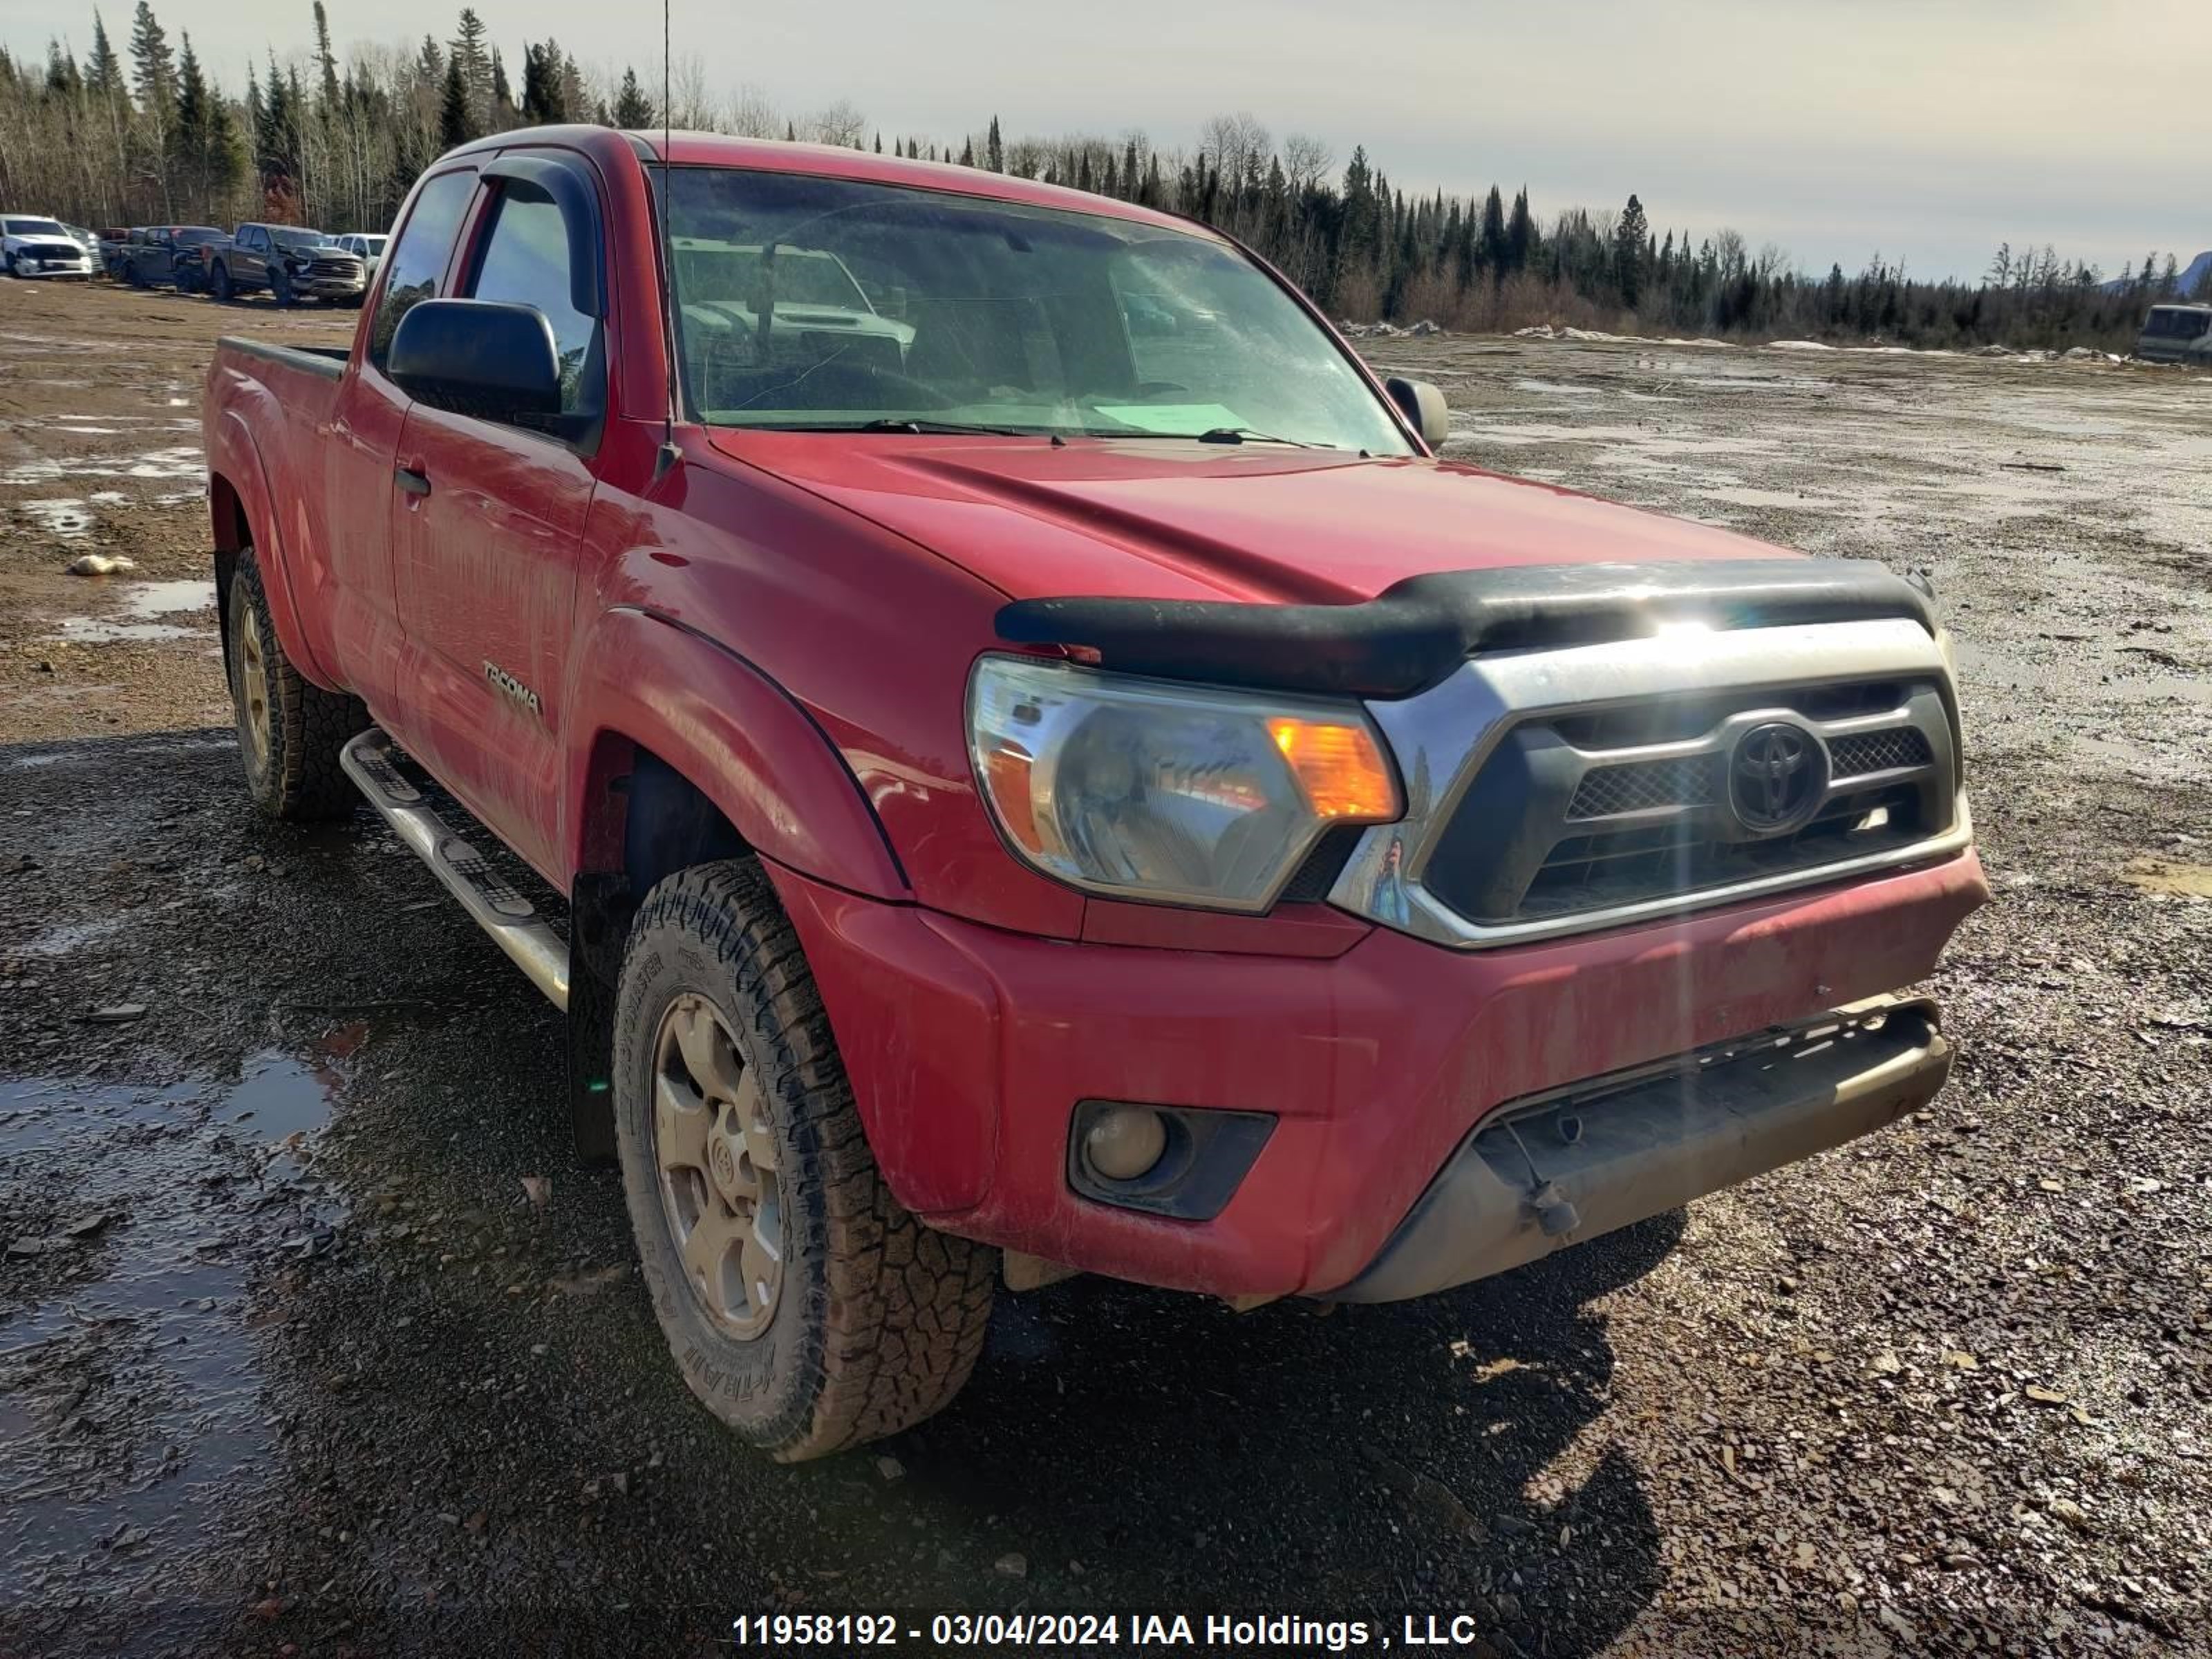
x,y
41,247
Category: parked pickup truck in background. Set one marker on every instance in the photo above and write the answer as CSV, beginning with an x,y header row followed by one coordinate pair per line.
x,y
291,263
32,246
163,256
1045,766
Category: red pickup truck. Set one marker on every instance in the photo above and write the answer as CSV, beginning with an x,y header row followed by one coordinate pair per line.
x,y
1043,768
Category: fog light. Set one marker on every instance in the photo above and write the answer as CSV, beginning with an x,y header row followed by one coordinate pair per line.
x,y
1124,1142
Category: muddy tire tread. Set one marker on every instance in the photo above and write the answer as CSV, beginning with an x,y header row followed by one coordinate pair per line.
x,y
310,726
907,1306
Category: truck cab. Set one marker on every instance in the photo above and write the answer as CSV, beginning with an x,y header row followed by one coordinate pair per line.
x,y
1046,766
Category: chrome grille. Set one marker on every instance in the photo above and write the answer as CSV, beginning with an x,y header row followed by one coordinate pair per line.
x,y
1550,792
1578,810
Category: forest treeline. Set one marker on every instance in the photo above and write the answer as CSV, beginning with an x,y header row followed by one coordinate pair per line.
x,y
146,135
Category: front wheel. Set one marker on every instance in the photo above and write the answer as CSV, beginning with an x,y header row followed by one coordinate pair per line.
x,y
289,729
220,284
280,287
806,1307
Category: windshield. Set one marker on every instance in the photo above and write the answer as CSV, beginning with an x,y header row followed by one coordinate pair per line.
x,y
372,245
2176,324
34,228
828,305
286,236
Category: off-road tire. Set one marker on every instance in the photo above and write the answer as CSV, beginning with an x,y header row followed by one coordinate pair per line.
x,y
219,284
879,1319
299,777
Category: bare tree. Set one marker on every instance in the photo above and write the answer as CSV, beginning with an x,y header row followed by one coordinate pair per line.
x,y
840,123
1229,141
691,105
1306,160
752,116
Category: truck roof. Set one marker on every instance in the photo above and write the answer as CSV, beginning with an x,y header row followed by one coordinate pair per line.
x,y
835,162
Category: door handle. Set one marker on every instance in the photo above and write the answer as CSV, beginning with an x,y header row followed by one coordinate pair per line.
x,y
414,483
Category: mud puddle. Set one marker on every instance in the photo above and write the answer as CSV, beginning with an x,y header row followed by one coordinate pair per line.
x,y
133,1429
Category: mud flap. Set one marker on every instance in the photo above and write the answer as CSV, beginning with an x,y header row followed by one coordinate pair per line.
x,y
600,914
590,1050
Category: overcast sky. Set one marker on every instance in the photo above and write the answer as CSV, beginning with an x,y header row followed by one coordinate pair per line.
x,y
1927,130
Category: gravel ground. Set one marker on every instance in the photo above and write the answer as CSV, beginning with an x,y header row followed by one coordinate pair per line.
x,y
314,1339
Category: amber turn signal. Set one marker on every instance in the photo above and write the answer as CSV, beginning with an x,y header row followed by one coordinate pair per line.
x,y
1338,767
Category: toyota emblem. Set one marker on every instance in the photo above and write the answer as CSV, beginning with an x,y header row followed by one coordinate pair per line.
x,y
1776,776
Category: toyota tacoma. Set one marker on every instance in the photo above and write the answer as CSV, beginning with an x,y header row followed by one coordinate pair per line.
x,y
1015,755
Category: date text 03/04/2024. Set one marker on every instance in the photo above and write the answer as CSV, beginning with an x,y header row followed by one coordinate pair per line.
x,y
1139,1631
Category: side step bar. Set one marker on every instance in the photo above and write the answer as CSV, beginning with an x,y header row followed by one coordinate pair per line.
x,y
511,920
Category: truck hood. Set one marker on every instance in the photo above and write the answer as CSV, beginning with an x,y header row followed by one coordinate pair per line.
x,y
1169,519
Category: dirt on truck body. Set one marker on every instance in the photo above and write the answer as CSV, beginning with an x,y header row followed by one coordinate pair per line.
x,y
329,1339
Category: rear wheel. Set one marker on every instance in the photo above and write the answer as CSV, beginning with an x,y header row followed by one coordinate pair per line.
x,y
289,731
806,1307
280,286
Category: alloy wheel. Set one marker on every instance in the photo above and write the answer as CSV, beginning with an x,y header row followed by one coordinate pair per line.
x,y
715,1153
254,686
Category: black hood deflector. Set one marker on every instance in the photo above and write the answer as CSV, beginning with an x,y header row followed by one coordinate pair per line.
x,y
1416,631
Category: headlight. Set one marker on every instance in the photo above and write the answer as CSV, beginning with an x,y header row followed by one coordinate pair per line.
x,y
1154,790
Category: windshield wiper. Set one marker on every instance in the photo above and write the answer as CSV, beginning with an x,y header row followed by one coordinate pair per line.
x,y
1245,435
1214,434
906,423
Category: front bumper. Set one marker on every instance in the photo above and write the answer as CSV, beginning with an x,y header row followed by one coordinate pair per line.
x,y
34,268
968,1049
1537,1176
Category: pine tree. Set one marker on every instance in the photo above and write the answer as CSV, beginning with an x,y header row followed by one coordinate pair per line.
x,y
187,135
968,152
1496,247
541,103
633,109
103,74
995,151
570,81
468,52
456,118
1629,238
63,79
326,59
274,137
1519,232
502,95
153,70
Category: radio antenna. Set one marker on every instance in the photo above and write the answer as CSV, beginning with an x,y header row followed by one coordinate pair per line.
x,y
669,453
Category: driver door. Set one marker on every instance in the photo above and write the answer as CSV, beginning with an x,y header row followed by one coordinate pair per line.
x,y
489,536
